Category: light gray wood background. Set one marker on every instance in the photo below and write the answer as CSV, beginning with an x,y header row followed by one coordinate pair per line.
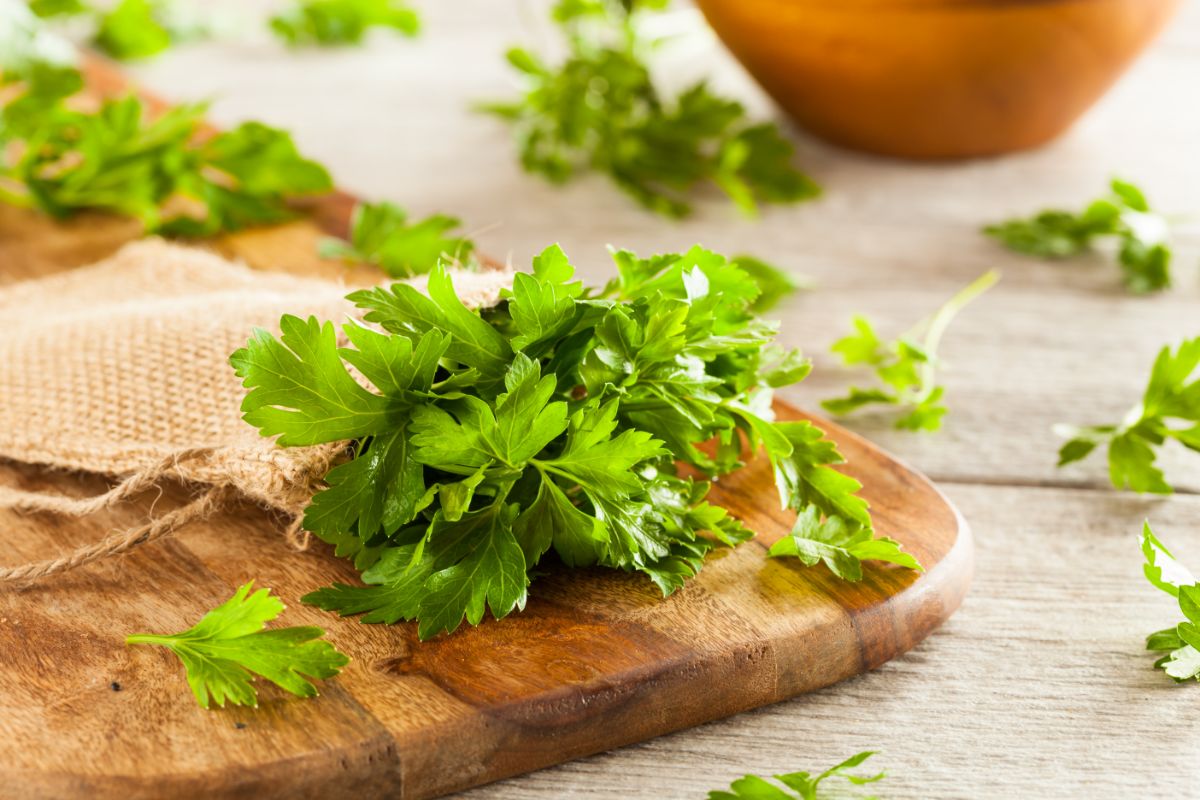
x,y
1039,687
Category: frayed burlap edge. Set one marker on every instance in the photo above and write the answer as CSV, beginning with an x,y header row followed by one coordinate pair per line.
x,y
288,486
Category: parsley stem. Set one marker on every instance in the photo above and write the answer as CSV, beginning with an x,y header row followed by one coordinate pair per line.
x,y
937,324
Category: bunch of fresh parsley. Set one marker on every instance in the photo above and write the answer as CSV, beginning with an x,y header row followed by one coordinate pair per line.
x,y
228,645
907,368
803,785
128,29
1170,409
1181,643
342,22
159,169
381,234
555,420
600,110
1144,252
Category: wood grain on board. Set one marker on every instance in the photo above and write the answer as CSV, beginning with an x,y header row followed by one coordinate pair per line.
x,y
597,660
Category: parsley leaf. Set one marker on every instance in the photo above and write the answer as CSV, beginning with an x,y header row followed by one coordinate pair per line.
x,y
906,368
159,170
802,785
840,546
1182,642
381,234
1144,253
1170,409
228,646
601,110
774,284
331,23
127,29
556,424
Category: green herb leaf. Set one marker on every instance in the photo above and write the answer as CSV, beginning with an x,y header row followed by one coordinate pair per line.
x,y
601,110
331,23
128,29
380,234
799,785
301,391
131,30
906,368
228,646
1170,410
1144,253
842,546
158,170
1181,643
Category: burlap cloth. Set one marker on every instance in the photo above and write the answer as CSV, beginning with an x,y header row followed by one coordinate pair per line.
x,y
122,369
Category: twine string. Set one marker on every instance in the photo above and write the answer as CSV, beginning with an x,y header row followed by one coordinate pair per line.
x,y
299,479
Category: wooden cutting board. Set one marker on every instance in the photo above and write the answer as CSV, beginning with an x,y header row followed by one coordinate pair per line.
x,y
597,660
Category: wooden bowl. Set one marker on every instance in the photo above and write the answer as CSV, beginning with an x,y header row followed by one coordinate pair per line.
x,y
937,78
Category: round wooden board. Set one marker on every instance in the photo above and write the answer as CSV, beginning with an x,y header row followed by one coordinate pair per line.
x,y
598,659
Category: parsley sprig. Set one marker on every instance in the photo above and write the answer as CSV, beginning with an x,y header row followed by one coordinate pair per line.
x,y
381,234
330,23
554,421
601,110
127,29
1169,410
802,785
906,367
228,646
1181,643
1144,252
159,169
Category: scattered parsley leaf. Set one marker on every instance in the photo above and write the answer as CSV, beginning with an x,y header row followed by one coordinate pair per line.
x,y
381,234
132,30
58,8
1144,252
228,646
330,23
1182,642
36,72
160,170
553,422
1170,409
601,110
802,785
906,368
774,284
127,29
841,546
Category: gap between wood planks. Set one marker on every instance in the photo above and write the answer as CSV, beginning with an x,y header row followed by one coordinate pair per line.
x,y
1080,484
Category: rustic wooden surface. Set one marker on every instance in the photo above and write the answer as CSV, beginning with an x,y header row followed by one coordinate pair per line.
x,y
1039,686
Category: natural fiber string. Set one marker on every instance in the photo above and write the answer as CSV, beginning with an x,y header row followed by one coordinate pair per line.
x,y
25,501
205,505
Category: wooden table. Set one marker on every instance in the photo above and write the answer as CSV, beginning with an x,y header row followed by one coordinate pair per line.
x,y
1039,687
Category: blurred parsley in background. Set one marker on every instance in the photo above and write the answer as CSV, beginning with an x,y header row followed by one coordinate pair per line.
x,y
601,110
